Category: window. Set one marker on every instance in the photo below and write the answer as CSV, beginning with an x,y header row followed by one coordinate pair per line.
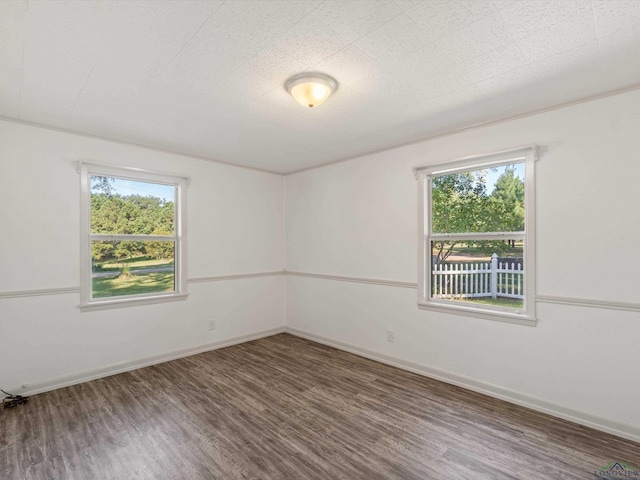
x,y
132,242
477,251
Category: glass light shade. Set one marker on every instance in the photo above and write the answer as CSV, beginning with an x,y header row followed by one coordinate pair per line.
x,y
311,89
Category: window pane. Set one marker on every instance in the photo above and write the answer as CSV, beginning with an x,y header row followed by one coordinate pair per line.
x,y
131,207
132,268
485,200
487,272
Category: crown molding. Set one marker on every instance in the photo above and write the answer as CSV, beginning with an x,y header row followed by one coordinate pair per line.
x,y
495,121
134,144
454,131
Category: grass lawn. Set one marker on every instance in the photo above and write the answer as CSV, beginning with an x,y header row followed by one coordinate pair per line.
x,y
135,262
501,302
471,252
137,284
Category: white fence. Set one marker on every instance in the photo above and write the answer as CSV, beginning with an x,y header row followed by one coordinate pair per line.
x,y
476,280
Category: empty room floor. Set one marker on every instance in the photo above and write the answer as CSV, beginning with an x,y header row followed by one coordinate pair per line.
x,y
287,408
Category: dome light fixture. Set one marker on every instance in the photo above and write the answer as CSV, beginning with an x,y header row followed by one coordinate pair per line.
x,y
310,89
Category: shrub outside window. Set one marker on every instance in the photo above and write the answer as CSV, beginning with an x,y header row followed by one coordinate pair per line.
x,y
476,236
132,240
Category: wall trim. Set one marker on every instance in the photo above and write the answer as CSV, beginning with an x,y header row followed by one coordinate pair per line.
x,y
39,292
101,372
342,278
587,302
581,302
573,301
495,391
67,290
237,276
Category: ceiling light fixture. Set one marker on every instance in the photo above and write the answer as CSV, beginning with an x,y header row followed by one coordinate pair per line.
x,y
310,89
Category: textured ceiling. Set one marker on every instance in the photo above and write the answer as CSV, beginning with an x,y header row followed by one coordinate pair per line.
x,y
206,77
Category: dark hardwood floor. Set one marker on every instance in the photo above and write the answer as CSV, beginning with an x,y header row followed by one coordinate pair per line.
x,y
287,408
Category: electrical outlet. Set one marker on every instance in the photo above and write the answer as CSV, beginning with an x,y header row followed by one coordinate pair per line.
x,y
391,336
212,324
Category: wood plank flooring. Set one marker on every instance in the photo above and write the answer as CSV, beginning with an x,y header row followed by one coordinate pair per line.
x,y
287,408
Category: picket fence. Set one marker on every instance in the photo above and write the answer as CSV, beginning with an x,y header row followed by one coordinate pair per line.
x,y
491,279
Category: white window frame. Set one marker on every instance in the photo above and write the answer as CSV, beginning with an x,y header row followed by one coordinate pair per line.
x,y
524,316
87,170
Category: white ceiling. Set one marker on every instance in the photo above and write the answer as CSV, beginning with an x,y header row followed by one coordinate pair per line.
x,y
206,77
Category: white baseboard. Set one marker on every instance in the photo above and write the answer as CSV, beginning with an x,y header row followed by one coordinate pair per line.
x,y
107,371
615,428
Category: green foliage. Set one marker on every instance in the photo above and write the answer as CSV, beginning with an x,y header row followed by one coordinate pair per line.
x,y
101,251
461,204
127,249
160,249
131,214
509,192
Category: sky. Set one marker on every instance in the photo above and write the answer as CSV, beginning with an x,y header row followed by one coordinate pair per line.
x,y
494,173
145,189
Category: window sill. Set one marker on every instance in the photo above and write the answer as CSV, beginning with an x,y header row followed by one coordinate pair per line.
x,y
507,317
131,302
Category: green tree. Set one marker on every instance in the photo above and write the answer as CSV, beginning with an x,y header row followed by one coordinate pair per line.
x,y
509,191
102,184
460,204
160,249
101,250
127,249
131,214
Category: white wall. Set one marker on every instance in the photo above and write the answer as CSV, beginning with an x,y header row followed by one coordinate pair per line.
x,y
235,226
354,219
359,219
